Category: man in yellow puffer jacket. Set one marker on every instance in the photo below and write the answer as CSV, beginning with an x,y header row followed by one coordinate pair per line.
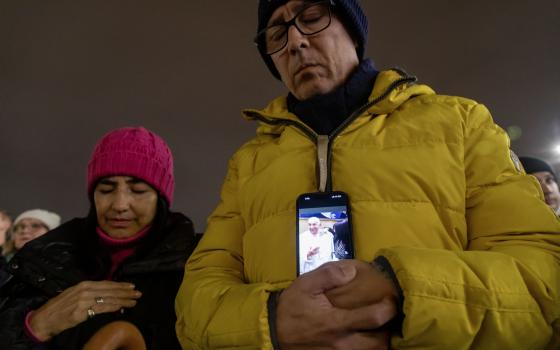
x,y
454,245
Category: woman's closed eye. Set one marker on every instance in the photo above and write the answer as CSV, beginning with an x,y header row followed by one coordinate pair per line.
x,y
139,189
105,189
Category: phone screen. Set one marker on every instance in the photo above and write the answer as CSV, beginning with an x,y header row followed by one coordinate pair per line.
x,y
323,229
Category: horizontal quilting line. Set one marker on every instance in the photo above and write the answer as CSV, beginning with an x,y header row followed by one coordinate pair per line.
x,y
497,291
481,306
351,145
409,203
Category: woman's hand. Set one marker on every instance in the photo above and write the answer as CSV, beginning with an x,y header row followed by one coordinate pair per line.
x,y
77,303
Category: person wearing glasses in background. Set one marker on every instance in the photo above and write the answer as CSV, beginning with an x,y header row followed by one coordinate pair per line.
x,y
454,247
28,226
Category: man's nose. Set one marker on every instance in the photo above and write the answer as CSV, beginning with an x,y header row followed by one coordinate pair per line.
x,y
296,40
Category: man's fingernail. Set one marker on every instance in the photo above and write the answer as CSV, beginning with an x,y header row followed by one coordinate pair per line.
x,y
348,271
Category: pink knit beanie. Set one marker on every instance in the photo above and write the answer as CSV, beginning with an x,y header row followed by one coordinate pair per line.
x,y
133,151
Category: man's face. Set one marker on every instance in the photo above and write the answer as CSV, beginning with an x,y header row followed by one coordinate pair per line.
x,y
550,189
315,64
314,227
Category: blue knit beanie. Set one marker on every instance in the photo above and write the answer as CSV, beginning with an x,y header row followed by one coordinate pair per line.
x,y
349,12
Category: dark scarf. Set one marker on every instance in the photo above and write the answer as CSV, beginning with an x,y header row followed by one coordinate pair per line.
x,y
324,113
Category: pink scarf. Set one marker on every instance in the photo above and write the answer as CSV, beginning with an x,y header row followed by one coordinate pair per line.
x,y
120,249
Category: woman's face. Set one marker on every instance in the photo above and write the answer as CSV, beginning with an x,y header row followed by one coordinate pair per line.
x,y
124,205
28,229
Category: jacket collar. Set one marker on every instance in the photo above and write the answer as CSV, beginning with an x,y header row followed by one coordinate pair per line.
x,y
392,88
324,113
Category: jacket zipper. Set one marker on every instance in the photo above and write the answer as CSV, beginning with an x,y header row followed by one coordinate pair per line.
x,y
404,80
324,142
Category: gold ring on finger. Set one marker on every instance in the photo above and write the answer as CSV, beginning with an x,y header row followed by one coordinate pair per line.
x,y
90,313
99,300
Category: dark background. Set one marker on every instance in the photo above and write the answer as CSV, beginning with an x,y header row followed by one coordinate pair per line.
x,y
72,70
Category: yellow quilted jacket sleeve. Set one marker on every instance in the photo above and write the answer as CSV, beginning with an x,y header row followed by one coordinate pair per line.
x,y
215,308
503,291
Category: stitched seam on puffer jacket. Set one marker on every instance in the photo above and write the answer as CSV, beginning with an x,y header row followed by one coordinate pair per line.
x,y
535,310
431,204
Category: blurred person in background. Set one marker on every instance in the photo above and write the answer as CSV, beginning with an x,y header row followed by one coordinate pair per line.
x,y
123,262
5,224
547,179
31,224
27,226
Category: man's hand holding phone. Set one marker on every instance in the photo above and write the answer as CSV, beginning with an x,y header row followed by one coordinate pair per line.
x,y
370,286
308,319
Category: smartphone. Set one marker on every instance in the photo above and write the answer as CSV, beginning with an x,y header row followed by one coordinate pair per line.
x,y
323,229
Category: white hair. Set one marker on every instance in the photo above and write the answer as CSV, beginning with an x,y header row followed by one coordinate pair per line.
x,y
313,220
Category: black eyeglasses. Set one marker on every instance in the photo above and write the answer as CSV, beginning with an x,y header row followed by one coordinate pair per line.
x,y
310,20
33,227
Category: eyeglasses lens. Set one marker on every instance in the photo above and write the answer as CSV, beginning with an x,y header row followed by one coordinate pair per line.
x,y
310,20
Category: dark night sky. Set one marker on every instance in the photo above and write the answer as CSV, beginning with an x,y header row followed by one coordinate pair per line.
x,y
72,70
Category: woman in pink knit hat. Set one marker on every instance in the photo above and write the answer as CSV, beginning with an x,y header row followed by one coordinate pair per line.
x,y
123,262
